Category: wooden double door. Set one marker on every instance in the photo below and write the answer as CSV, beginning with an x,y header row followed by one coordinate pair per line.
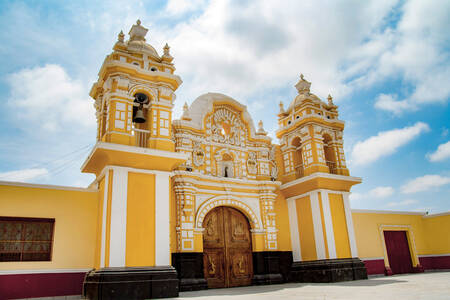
x,y
227,248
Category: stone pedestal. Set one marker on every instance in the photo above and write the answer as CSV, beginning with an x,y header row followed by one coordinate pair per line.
x,y
131,283
271,267
328,270
190,271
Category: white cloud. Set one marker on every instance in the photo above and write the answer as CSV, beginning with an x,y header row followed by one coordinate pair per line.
x,y
381,192
179,7
46,98
241,48
402,203
23,175
375,193
416,52
424,183
390,103
441,153
385,143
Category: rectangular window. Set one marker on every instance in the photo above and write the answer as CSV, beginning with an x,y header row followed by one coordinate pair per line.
x,y
26,239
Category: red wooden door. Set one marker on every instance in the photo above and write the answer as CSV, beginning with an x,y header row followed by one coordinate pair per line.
x,y
398,252
227,250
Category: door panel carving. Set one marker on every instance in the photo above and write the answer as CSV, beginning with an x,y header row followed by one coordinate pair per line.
x,y
227,248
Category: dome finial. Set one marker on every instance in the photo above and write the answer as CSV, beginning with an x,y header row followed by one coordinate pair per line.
x,y
138,22
261,128
121,37
303,85
281,107
185,115
330,100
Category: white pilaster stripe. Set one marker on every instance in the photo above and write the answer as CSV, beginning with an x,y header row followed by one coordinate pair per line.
x,y
162,219
350,228
118,235
293,226
104,213
317,223
328,225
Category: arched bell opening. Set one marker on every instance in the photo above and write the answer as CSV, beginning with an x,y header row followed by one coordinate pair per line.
x,y
330,155
227,248
298,157
140,128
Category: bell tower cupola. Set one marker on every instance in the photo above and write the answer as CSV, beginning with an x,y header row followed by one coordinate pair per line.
x,y
311,135
134,94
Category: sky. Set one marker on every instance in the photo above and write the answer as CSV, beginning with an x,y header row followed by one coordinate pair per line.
x,y
386,64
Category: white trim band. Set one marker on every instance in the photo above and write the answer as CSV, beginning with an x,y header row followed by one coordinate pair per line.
x,y
293,225
118,234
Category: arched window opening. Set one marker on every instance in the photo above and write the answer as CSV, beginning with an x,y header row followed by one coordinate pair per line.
x,y
330,155
227,166
298,157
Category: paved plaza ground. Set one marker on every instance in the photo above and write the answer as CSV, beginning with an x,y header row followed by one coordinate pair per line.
x,y
435,285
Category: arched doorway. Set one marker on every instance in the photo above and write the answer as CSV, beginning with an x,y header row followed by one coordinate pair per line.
x,y
227,248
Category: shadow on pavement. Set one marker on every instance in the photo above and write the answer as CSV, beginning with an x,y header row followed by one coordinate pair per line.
x,y
256,289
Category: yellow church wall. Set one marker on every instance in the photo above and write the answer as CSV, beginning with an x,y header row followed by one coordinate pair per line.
x,y
369,227
75,213
306,229
437,234
140,234
282,221
339,226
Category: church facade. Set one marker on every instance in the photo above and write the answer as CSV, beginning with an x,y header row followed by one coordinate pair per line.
x,y
206,201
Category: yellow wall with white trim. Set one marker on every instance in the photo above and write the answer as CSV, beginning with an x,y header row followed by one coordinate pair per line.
x,y
75,214
282,221
306,229
368,236
140,234
341,239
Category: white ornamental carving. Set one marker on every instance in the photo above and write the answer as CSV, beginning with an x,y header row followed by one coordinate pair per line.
x,y
198,155
251,163
226,127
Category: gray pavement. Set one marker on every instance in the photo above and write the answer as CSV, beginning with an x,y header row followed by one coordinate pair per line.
x,y
435,285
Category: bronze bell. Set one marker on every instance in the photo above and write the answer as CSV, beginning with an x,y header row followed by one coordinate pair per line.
x,y
139,117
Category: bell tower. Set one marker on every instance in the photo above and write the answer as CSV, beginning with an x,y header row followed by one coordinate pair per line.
x,y
134,93
133,160
316,184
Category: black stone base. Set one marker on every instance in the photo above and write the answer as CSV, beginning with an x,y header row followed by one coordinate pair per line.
x,y
190,271
131,283
271,267
328,270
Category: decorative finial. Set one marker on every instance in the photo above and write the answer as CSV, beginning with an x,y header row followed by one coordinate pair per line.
x,y
261,128
121,37
138,32
281,107
330,100
185,115
303,85
166,49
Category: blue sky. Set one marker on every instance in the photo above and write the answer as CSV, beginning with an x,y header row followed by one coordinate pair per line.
x,y
386,63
